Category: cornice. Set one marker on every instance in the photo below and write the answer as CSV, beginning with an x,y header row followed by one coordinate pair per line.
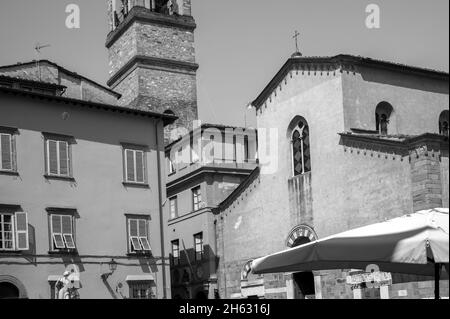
x,y
153,63
144,15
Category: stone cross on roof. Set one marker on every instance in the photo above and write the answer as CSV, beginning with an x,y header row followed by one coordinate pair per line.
x,y
297,52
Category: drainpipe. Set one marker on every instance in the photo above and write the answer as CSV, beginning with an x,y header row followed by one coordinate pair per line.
x,y
161,212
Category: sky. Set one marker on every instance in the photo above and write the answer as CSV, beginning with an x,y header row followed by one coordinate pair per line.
x,y
240,45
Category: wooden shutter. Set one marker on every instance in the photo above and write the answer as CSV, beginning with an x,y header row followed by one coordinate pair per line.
x,y
63,158
140,166
66,224
22,237
129,157
133,228
52,157
57,236
143,235
6,152
56,224
134,234
142,228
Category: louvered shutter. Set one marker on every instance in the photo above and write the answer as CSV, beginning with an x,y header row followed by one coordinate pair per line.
x,y
57,236
56,224
130,165
63,158
142,228
52,157
139,166
143,238
66,222
134,234
133,228
6,152
22,238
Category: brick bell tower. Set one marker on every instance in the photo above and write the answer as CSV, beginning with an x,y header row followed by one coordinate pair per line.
x,y
152,58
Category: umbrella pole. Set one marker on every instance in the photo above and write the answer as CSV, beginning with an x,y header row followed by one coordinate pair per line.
x,y
437,268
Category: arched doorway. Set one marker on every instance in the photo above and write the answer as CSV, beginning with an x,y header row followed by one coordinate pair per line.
x,y
11,288
9,291
303,282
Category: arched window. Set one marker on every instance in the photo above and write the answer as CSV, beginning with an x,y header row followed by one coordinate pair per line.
x,y
301,161
443,123
383,115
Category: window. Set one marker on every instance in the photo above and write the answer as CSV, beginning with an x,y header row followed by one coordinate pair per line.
x,y
198,242
7,152
213,148
173,207
195,143
62,232
170,165
246,149
301,149
57,157
443,123
138,238
135,167
141,290
197,198
14,231
176,252
383,119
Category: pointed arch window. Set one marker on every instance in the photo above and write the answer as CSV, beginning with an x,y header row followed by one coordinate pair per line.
x,y
301,161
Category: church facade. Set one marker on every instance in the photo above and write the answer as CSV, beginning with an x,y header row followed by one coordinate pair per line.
x,y
358,141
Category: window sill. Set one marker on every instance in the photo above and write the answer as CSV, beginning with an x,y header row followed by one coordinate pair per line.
x,y
12,253
137,185
60,178
137,255
9,173
63,252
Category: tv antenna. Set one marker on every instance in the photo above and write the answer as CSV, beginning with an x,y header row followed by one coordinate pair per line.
x,y
38,47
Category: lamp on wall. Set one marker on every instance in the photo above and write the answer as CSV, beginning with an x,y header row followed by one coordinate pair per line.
x,y
112,268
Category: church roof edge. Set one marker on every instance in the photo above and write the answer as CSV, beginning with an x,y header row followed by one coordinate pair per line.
x,y
343,60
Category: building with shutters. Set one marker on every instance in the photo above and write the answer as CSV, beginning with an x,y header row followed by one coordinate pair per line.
x,y
81,188
204,168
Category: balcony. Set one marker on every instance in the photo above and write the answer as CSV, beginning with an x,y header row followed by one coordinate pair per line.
x,y
185,170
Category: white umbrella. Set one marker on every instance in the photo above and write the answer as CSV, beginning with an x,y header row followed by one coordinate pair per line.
x,y
413,244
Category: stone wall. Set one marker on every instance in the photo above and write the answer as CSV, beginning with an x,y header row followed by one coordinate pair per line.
x,y
77,87
157,53
351,184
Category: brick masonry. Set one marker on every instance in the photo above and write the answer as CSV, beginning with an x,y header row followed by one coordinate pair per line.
x,y
426,176
152,64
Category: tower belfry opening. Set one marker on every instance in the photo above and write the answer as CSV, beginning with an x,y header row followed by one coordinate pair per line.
x,y
121,8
